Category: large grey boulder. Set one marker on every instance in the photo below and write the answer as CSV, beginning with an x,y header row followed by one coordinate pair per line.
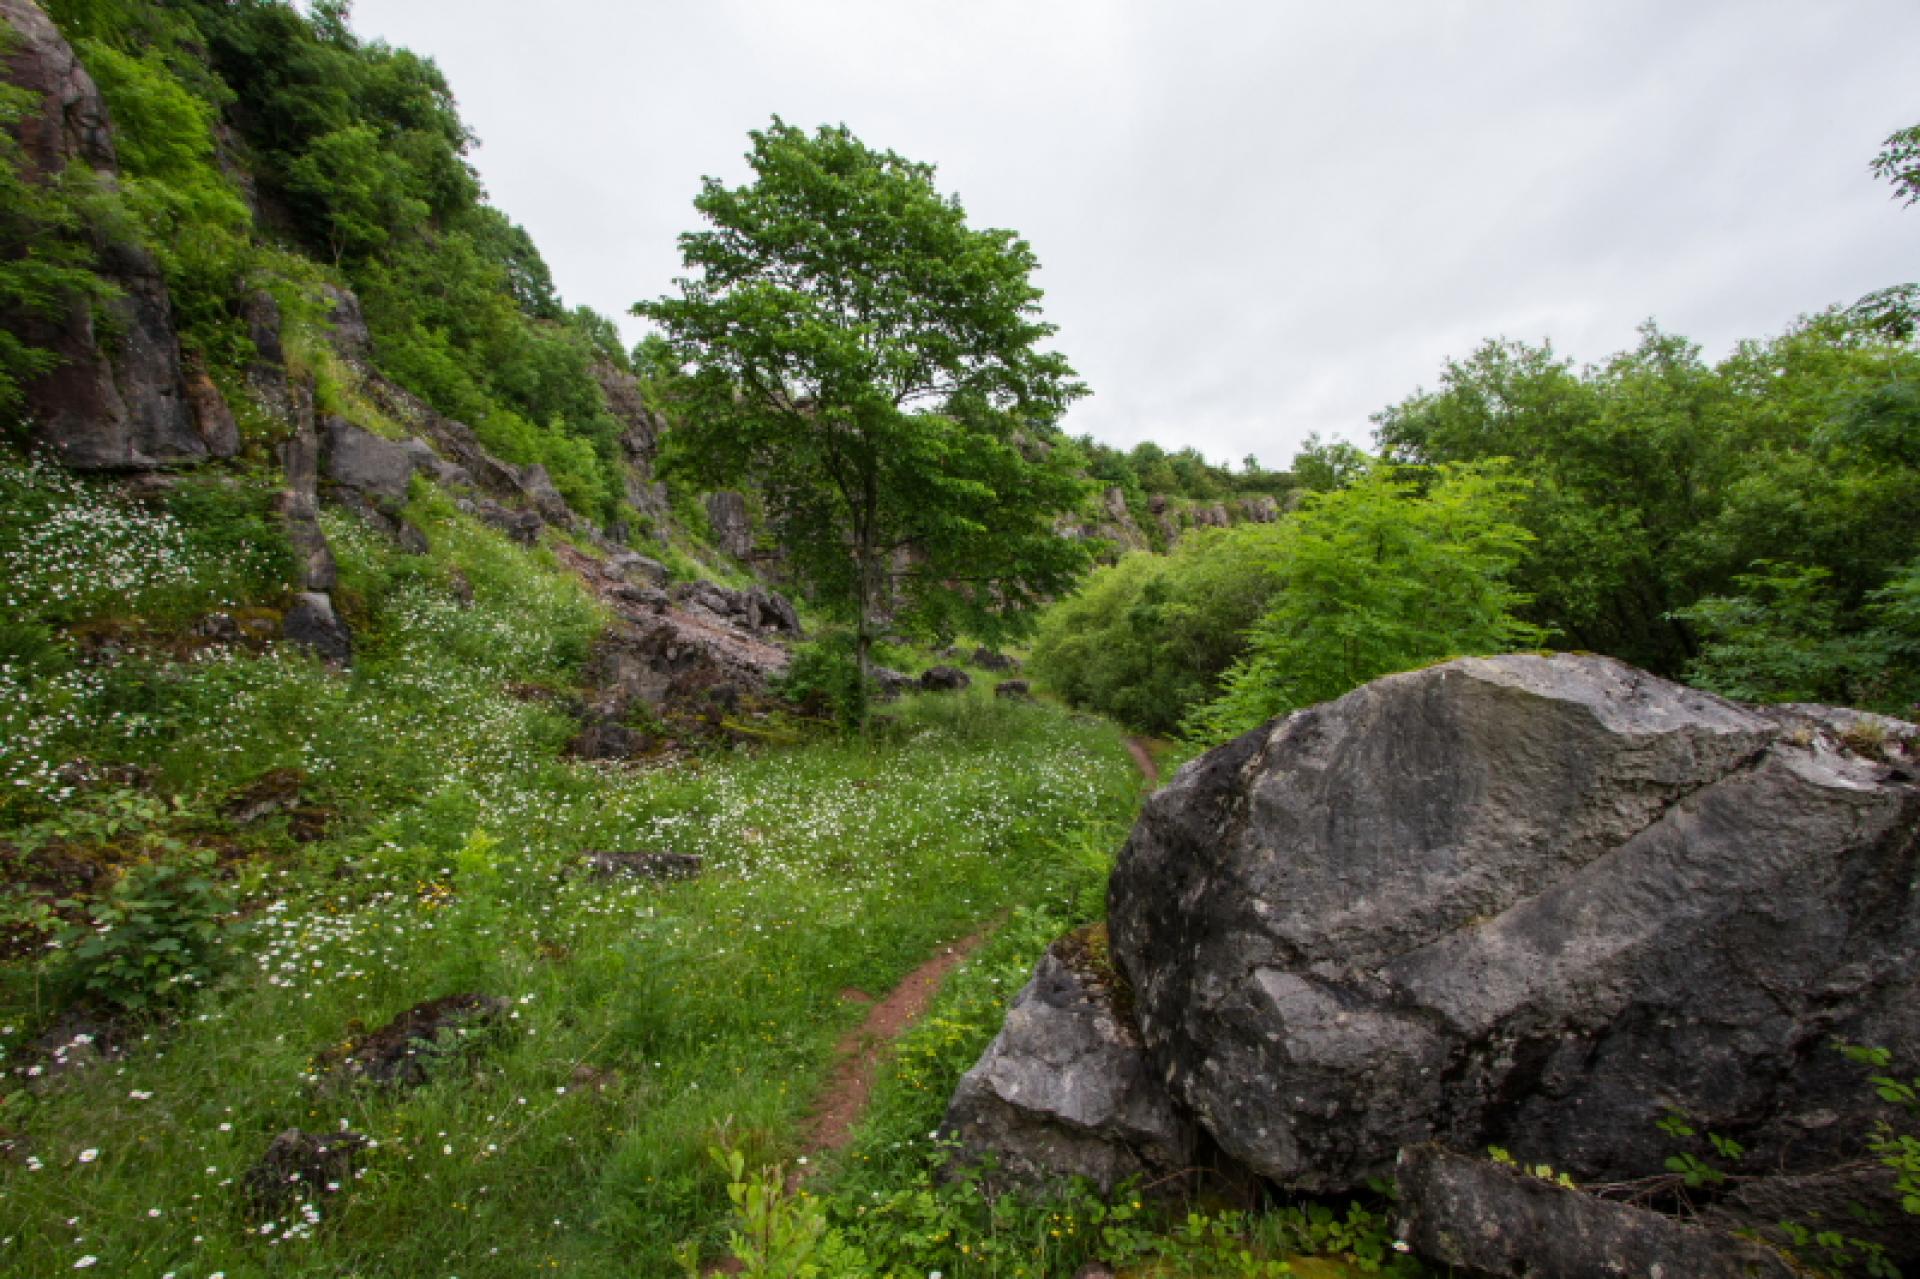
x,y
1065,1088
1530,901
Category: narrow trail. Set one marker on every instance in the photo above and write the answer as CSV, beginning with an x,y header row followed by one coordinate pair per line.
x,y
860,1052
1137,747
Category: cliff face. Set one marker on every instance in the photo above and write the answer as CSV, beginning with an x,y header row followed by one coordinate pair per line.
x,y
120,396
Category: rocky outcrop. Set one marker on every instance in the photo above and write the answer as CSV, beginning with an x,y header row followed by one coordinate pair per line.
x,y
1113,525
1529,901
944,679
640,432
1258,510
755,609
677,661
732,524
312,624
212,417
267,370
122,402
70,120
347,325
1066,1088
1119,526
1496,1220
365,464
299,506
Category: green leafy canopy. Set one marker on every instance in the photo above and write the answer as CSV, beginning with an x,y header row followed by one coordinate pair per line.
x,y
874,366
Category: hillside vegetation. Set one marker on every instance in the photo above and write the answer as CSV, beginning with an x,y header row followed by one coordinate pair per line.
x,y
1747,525
463,782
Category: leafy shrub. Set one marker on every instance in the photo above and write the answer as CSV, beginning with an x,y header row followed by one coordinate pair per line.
x,y
1786,637
1375,578
1151,637
780,1233
824,678
155,937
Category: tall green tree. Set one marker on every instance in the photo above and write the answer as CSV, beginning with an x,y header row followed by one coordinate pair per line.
x,y
876,367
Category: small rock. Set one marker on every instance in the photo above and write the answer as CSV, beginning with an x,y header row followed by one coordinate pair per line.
x,y
988,660
655,866
647,598
271,792
889,683
604,739
80,1038
522,526
313,624
221,628
944,679
537,486
1500,1221
1016,689
639,570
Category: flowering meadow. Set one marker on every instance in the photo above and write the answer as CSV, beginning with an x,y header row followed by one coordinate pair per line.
x,y
430,843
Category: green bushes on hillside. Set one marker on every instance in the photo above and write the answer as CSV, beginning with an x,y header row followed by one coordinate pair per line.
x,y
1662,484
1151,637
1392,572
353,153
1395,570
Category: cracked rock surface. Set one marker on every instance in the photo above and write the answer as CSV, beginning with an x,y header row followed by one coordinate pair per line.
x,y
1065,1088
1534,902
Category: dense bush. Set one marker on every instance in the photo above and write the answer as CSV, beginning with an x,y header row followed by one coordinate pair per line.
x,y
1392,572
1151,637
1662,483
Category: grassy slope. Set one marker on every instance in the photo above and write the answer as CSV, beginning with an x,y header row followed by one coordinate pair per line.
x,y
702,1010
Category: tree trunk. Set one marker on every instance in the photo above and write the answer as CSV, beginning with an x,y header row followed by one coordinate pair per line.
x,y
863,635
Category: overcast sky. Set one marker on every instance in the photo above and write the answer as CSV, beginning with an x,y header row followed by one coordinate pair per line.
x,y
1255,220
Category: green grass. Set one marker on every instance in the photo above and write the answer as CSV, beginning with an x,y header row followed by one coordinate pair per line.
x,y
698,1012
